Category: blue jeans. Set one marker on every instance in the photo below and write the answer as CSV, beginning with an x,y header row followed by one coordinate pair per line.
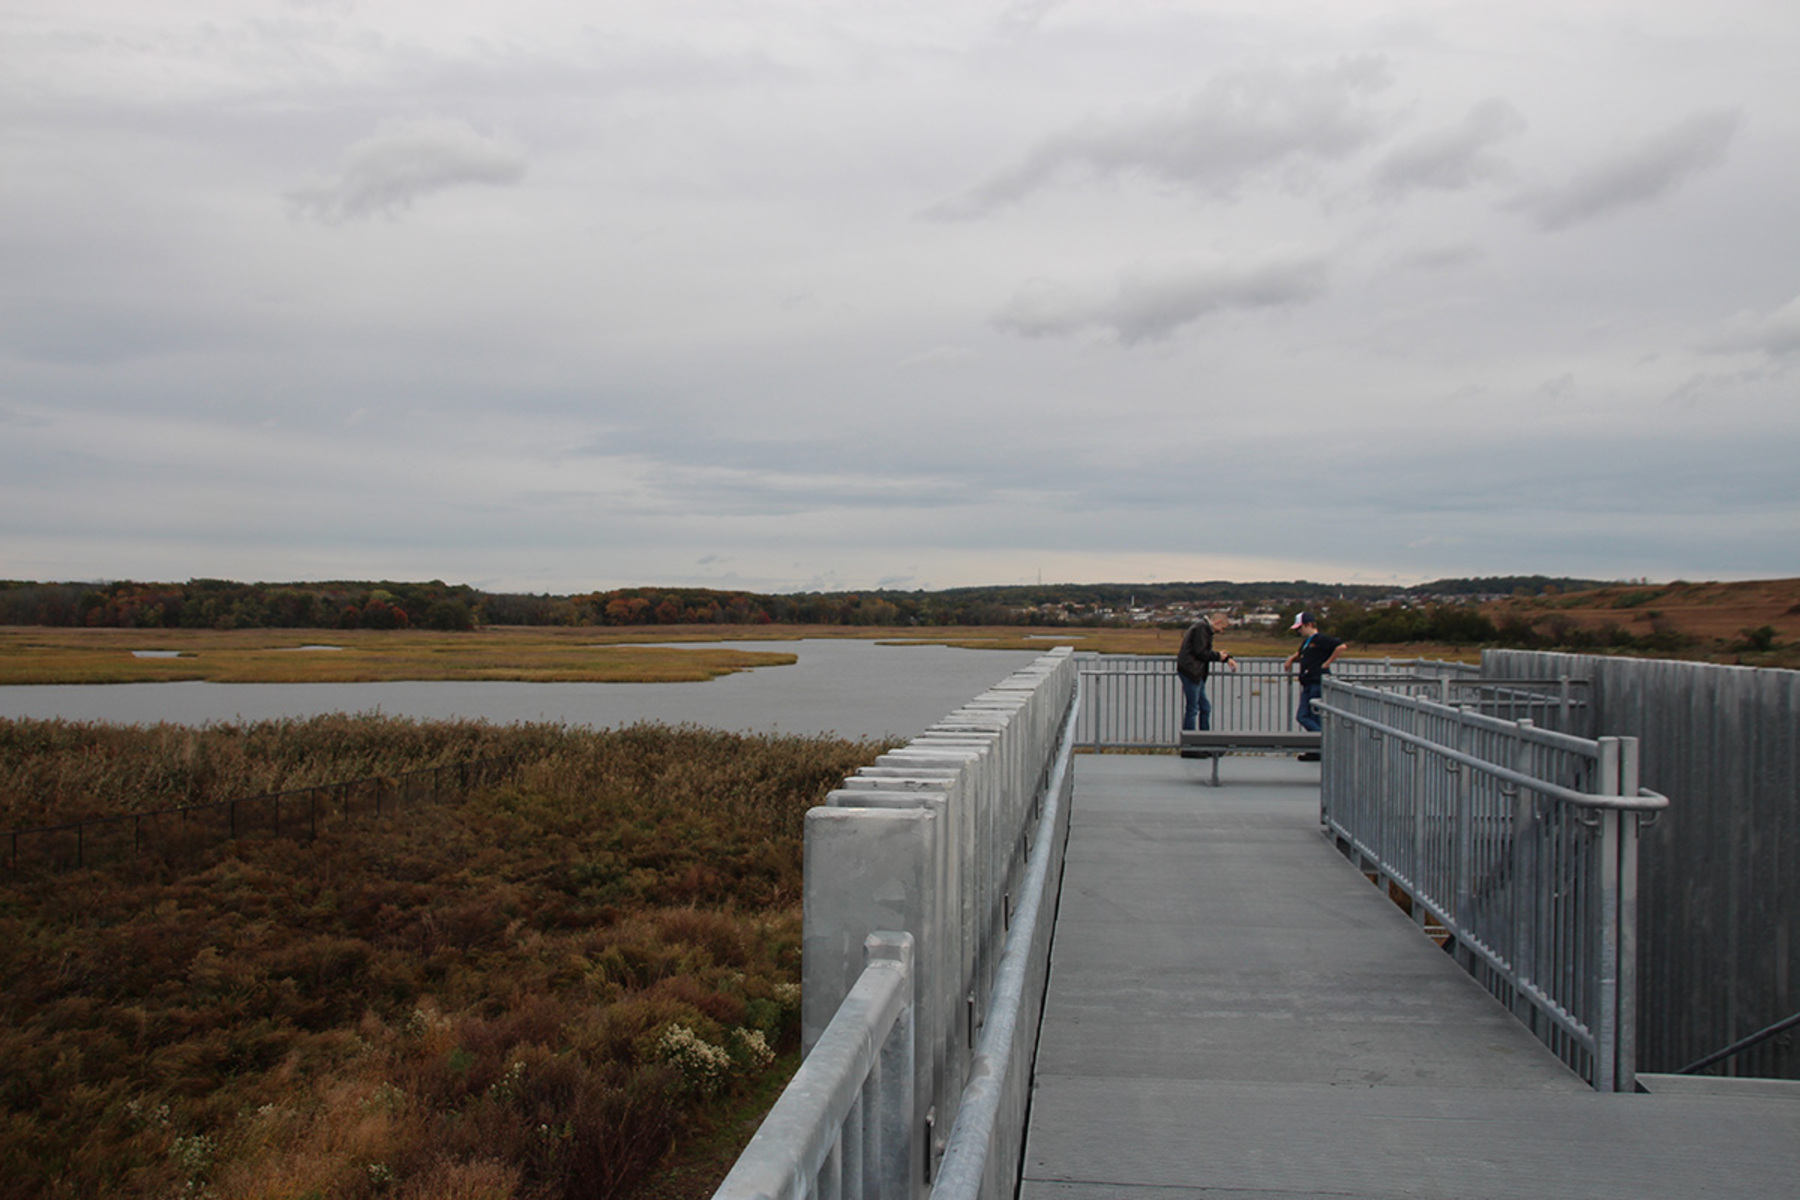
x,y
1308,719
1196,709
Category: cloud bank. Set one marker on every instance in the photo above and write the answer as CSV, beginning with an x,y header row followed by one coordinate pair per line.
x,y
746,294
405,160
1455,157
1149,306
1241,124
1639,174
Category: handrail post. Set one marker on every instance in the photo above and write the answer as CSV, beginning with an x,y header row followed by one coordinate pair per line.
x,y
1606,986
1462,806
1628,918
1421,814
888,1151
842,1128
866,870
1525,848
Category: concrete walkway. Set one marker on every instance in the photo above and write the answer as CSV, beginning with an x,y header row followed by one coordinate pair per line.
x,y
1235,1012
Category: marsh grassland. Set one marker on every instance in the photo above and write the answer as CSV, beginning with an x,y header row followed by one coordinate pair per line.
x,y
31,655
576,985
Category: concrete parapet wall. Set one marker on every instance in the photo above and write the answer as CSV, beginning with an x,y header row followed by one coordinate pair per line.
x,y
932,840
1719,893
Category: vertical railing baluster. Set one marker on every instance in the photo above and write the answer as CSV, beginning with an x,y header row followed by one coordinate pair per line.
x,y
1462,818
850,1152
1628,919
1524,889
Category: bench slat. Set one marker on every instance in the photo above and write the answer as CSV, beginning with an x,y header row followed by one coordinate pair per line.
x,y
1216,743
1278,739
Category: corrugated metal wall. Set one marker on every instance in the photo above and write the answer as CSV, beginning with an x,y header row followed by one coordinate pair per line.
x,y
1720,885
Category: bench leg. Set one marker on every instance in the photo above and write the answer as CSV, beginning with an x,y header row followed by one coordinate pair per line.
x,y
1217,755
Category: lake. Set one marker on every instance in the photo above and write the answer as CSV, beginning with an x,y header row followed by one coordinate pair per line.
x,y
853,689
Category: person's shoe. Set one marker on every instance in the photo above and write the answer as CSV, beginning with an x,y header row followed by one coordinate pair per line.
x,y
1309,756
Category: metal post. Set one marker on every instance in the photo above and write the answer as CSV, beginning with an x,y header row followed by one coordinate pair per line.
x,y
1462,814
897,1169
1525,883
1605,1026
1628,884
866,870
1421,843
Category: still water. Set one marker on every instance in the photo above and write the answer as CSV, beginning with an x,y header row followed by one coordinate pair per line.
x,y
848,688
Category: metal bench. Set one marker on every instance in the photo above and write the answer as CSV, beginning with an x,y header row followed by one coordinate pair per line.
x,y
1217,743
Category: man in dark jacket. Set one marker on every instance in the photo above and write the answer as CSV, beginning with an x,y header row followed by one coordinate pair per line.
x,y
1193,663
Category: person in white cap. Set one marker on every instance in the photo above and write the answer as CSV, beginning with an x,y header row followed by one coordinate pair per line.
x,y
1316,654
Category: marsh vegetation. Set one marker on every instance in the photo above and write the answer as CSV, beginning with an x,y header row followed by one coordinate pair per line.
x,y
546,990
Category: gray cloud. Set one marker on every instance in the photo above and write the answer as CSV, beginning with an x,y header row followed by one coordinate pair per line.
x,y
1636,175
1776,333
1151,307
1454,157
405,160
1242,123
1021,18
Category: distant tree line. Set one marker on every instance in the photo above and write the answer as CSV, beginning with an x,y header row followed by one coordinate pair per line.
x,y
1428,613
1466,625
221,604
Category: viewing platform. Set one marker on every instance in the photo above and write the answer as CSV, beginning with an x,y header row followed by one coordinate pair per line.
x,y
1451,952
1235,1011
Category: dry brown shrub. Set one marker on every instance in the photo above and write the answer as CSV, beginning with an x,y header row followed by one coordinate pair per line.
x,y
618,1131
721,935
688,992
446,1179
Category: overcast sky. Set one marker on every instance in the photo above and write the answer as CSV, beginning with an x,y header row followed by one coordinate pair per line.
x,y
827,295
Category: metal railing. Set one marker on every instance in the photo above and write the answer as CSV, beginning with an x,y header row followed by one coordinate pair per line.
x,y
293,813
1561,704
954,844
842,1126
1133,701
1519,842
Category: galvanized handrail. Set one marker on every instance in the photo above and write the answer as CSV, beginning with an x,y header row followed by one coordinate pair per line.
x,y
1133,701
1521,843
841,1126
1646,800
1742,1044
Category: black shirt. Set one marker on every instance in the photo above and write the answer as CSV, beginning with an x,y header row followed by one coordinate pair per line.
x,y
1313,653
